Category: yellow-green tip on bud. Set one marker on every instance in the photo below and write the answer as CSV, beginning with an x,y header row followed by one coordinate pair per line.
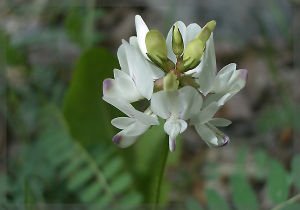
x,y
170,81
206,31
156,47
192,54
177,42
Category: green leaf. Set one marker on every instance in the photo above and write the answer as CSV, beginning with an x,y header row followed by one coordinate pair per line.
x,y
277,183
87,114
80,178
215,201
296,171
293,206
261,162
242,193
192,204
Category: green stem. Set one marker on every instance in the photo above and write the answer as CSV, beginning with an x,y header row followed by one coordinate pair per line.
x,y
161,170
288,202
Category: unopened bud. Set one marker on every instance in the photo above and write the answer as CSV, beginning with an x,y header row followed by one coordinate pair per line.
x,y
170,81
192,54
206,31
177,42
156,47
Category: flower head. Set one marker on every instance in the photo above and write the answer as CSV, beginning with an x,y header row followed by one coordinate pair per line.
x,y
173,74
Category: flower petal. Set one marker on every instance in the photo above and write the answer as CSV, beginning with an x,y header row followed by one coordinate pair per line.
x,y
123,58
122,122
130,111
223,77
130,134
156,71
206,70
192,31
141,32
140,71
220,122
207,113
173,128
183,103
121,87
207,135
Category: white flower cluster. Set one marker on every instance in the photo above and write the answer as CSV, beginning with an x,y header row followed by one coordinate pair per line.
x,y
181,92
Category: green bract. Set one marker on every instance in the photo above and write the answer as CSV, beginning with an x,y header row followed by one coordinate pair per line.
x,y
171,82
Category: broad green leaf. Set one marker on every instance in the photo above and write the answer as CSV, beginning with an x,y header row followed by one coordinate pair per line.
x,y
277,182
261,162
215,201
192,204
243,196
296,171
87,114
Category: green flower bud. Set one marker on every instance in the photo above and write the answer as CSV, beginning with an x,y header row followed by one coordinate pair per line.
x,y
206,31
192,55
177,42
156,47
170,81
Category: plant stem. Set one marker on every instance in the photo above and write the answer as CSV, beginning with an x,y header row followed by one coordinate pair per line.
x,y
161,169
288,202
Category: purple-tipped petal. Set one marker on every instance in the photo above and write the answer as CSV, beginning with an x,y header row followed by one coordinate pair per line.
x,y
243,74
225,141
117,139
107,84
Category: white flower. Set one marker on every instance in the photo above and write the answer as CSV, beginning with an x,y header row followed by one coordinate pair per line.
x,y
174,84
176,106
227,83
132,126
205,125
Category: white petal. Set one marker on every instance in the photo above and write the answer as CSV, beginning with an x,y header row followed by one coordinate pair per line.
x,y
220,122
141,32
173,128
207,135
122,58
130,111
140,71
208,112
182,29
223,77
221,99
121,87
122,122
183,103
130,134
155,71
192,31
207,67
161,103
238,80
211,135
